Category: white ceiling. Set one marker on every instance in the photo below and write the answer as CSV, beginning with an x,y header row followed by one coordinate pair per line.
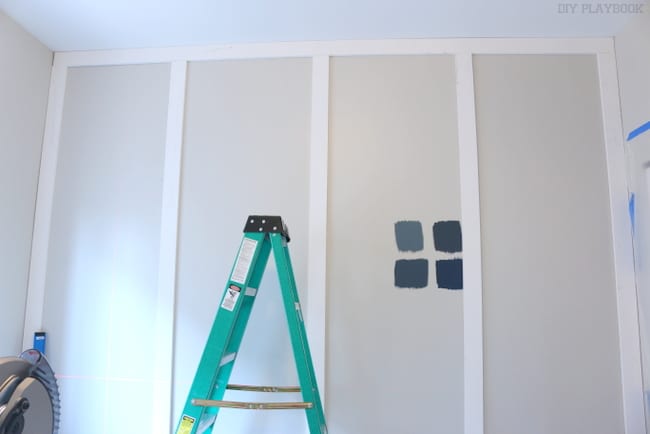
x,y
65,25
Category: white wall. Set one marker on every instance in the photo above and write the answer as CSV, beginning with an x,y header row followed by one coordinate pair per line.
x,y
550,321
220,137
633,58
395,355
245,152
102,273
25,66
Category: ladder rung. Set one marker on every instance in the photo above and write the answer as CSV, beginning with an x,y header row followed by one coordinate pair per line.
x,y
289,389
227,359
253,405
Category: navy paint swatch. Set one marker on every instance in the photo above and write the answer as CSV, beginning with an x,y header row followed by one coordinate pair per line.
x,y
449,273
447,236
408,235
411,273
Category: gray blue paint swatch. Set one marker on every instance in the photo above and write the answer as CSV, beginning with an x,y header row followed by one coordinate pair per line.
x,y
449,273
447,236
414,273
411,273
409,237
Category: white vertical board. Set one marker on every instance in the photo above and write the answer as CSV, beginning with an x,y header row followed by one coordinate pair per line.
x,y
316,280
164,317
471,218
44,198
623,253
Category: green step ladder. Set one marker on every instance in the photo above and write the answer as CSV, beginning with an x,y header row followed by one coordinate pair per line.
x,y
262,235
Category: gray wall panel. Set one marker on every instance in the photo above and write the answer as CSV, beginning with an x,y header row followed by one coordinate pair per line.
x,y
102,272
395,356
550,325
246,151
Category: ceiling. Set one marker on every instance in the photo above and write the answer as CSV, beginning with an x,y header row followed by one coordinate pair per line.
x,y
65,25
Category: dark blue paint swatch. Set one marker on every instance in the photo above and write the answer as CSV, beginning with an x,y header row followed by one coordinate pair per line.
x,y
449,273
411,273
447,236
408,235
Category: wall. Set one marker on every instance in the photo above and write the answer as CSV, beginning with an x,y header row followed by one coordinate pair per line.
x,y
398,135
245,152
393,158
633,58
550,324
102,274
24,82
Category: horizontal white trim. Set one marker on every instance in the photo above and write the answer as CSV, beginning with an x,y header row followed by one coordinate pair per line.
x,y
337,48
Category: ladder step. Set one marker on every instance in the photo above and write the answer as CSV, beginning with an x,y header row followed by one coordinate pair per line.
x,y
253,405
286,389
227,359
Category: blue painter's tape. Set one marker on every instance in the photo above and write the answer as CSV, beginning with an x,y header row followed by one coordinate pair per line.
x,y
642,129
39,342
632,206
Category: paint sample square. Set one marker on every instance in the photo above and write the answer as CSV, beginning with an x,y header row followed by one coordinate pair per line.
x,y
449,273
411,273
409,236
447,236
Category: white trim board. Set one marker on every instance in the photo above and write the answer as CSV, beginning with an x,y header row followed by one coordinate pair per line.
x,y
471,221
44,201
317,250
628,321
165,319
336,48
320,52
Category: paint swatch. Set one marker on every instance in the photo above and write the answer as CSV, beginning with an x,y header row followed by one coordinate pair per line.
x,y
409,237
449,273
447,236
411,273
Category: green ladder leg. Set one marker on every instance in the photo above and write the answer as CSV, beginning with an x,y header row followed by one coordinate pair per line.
x,y
262,235
301,352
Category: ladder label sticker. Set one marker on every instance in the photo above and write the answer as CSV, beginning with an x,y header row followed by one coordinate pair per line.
x,y
244,261
186,425
231,297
